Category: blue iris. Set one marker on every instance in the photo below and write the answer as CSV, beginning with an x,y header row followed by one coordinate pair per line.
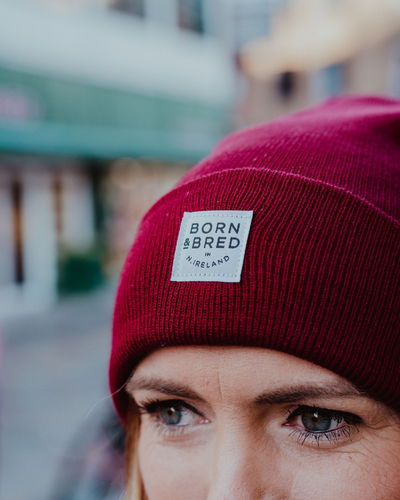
x,y
316,421
171,415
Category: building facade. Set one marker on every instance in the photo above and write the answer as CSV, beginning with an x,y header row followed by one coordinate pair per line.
x,y
82,84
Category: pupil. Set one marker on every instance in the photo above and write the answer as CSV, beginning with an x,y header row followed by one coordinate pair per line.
x,y
171,415
316,422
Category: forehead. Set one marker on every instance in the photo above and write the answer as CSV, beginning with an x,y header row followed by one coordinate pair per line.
x,y
235,372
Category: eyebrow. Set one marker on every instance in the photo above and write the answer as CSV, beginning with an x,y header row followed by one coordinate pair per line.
x,y
163,386
341,389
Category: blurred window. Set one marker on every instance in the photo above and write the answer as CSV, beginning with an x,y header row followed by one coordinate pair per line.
x,y
286,84
394,68
135,7
253,19
190,15
326,82
334,79
7,234
164,11
58,208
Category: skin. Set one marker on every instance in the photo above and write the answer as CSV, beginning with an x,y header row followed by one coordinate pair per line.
x,y
238,444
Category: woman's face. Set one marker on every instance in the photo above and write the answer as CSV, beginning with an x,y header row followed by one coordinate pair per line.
x,y
235,423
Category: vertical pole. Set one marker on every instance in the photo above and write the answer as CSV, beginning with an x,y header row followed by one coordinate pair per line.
x,y
16,194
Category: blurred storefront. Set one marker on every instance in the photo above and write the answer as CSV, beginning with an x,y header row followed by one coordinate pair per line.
x,y
105,103
83,84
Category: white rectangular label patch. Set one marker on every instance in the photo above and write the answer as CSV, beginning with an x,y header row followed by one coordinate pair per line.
x,y
211,246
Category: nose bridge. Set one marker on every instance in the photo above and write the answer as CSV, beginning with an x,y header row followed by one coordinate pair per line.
x,y
234,472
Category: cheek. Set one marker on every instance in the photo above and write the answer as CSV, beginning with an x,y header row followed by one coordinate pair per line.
x,y
380,470
172,473
366,474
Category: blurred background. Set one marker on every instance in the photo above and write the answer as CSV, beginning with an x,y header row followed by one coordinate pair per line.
x,y
104,104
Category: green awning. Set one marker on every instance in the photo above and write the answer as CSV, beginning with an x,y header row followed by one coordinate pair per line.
x,y
48,115
104,142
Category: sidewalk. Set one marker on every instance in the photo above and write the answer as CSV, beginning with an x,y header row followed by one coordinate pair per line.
x,y
53,373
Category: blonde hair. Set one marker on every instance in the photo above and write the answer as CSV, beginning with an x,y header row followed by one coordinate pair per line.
x,y
134,484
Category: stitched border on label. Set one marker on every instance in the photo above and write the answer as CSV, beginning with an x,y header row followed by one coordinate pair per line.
x,y
243,249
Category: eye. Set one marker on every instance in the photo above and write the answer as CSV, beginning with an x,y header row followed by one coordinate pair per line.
x,y
316,421
319,424
176,415
172,416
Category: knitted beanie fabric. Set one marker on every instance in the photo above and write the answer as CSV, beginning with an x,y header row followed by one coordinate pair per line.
x,y
305,259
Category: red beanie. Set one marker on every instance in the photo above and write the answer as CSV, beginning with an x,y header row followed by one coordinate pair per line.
x,y
286,237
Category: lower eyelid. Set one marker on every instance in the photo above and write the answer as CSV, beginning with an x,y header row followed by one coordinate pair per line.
x,y
339,436
329,436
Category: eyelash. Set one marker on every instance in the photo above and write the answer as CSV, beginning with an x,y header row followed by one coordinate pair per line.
x,y
153,407
332,436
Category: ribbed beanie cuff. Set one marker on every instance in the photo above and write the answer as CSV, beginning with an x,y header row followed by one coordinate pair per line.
x,y
320,277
